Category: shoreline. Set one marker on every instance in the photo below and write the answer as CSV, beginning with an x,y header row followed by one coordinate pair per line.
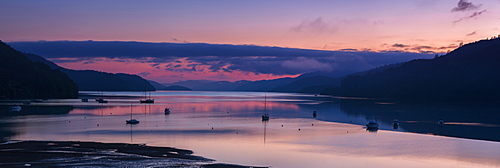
x,y
96,154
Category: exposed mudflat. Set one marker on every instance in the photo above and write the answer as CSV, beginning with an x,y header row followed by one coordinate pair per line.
x,y
95,154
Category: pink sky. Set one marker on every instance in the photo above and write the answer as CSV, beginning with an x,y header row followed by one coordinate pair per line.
x,y
413,25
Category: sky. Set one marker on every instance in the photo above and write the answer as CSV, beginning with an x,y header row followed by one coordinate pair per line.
x,y
385,26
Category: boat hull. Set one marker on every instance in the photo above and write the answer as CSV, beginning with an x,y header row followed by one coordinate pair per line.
x,y
132,121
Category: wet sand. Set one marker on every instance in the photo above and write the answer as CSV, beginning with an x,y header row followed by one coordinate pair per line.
x,y
95,154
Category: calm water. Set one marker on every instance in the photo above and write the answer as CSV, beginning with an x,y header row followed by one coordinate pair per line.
x,y
227,127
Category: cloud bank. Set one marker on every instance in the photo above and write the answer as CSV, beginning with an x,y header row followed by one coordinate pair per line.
x,y
220,58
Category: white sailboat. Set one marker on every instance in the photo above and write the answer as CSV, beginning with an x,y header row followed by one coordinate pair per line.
x,y
147,99
265,116
132,121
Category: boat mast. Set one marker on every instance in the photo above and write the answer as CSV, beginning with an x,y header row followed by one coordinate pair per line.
x,y
265,104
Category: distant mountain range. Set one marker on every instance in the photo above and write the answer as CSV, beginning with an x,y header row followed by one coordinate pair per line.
x,y
307,83
469,73
21,78
90,80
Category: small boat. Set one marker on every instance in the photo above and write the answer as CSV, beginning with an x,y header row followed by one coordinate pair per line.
x,y
372,124
101,100
146,98
395,122
440,122
132,121
167,110
147,101
314,114
85,100
15,108
265,116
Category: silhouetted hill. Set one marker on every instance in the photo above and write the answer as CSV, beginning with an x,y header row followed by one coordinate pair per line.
x,y
314,84
469,73
90,80
156,85
176,87
265,85
22,78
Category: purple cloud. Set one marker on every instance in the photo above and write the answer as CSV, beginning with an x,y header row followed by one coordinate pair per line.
x,y
470,34
475,14
399,45
463,5
315,26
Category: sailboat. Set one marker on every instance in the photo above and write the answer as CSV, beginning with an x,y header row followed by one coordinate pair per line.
x,y
146,99
101,100
167,110
132,121
265,117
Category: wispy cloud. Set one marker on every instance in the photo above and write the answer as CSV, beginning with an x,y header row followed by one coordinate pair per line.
x,y
463,5
144,74
473,15
398,47
472,33
315,26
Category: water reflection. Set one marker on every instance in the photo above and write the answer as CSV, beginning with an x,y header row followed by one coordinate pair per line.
x,y
477,121
305,130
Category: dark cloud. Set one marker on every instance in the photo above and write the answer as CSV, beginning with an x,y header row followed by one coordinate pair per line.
x,y
180,41
349,50
470,34
190,57
463,5
473,15
399,45
315,26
